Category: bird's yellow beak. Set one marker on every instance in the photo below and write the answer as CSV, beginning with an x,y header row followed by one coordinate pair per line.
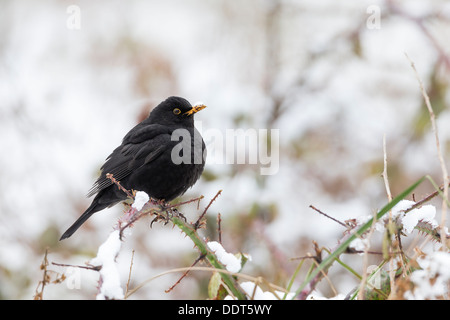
x,y
195,109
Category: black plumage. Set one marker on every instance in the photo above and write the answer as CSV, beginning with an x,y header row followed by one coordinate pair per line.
x,y
149,159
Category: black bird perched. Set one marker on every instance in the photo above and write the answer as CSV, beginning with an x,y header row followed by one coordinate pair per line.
x,y
164,155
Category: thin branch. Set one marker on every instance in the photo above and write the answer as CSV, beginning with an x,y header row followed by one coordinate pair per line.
x,y
175,205
207,269
39,295
129,274
201,257
329,217
439,152
391,256
198,223
317,260
303,257
385,176
219,227
117,183
88,267
201,245
425,200
46,278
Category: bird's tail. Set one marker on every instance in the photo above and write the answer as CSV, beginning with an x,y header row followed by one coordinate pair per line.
x,y
93,208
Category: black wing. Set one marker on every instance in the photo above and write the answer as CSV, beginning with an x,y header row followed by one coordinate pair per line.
x,y
140,146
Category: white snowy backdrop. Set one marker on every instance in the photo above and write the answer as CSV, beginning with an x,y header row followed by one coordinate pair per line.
x,y
332,80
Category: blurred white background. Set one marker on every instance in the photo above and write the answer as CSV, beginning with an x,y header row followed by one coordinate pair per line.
x,y
332,76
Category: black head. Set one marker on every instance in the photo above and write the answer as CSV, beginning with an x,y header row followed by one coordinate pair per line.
x,y
174,110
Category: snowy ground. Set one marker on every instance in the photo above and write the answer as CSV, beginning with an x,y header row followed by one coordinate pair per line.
x,y
332,83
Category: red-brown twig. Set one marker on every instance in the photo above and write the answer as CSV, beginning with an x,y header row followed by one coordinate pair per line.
x,y
185,273
170,206
324,214
219,227
197,223
117,183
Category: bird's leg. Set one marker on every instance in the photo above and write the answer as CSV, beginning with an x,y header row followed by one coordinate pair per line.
x,y
163,208
179,214
169,211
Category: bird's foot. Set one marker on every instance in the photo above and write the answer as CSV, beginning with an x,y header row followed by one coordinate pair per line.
x,y
166,214
178,214
163,215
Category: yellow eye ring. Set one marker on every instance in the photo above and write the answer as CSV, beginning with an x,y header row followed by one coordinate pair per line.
x,y
176,111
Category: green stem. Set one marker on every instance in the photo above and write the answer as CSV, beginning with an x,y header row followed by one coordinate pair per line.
x,y
291,282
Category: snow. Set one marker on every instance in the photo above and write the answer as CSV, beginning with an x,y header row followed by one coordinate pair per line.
x,y
109,273
359,244
425,214
432,280
409,220
229,260
254,292
140,200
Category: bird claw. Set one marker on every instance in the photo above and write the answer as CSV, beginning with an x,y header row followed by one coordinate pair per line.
x,y
169,213
179,214
160,216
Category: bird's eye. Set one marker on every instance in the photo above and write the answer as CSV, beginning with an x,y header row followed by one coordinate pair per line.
x,y
176,111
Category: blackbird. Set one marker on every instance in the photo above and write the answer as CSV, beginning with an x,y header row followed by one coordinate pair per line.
x,y
164,155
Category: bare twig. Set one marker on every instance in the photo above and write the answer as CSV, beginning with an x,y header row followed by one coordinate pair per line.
x,y
198,223
175,205
117,183
201,257
425,200
129,274
329,217
385,176
208,269
46,278
309,256
391,256
317,259
439,152
39,294
132,215
88,267
219,227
